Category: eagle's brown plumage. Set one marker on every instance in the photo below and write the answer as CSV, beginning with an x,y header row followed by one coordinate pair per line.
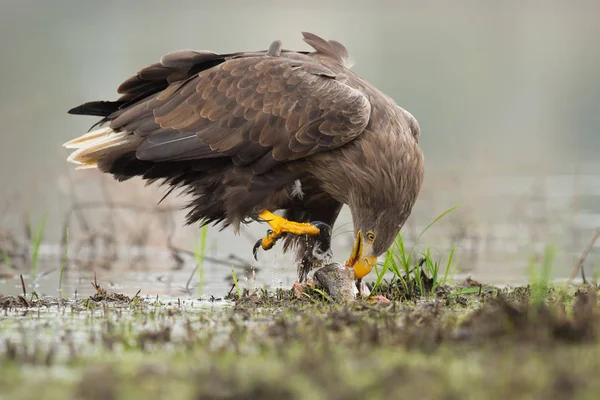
x,y
267,130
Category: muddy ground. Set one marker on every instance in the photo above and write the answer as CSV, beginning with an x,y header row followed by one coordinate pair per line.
x,y
458,344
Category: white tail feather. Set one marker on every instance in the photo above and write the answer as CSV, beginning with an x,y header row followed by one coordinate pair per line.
x,y
79,141
92,146
86,166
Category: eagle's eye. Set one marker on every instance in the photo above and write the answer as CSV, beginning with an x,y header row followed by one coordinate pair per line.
x,y
370,237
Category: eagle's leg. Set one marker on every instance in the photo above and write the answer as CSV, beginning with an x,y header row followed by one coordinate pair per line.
x,y
279,227
314,251
317,251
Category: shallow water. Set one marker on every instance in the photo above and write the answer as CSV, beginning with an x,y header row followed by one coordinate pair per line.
x,y
156,275
501,231
66,329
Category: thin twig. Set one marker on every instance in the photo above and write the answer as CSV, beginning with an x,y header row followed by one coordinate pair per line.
x,y
95,283
187,285
136,295
584,255
239,262
23,286
231,290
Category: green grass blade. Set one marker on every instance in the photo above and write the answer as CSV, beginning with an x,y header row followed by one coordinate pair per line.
x,y
63,262
469,290
199,255
449,264
324,296
431,267
388,264
235,282
390,259
549,256
405,260
37,241
436,220
393,265
380,275
540,284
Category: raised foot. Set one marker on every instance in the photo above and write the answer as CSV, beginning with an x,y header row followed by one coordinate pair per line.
x,y
280,226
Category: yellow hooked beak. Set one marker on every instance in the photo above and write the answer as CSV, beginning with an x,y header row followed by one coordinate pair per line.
x,y
362,265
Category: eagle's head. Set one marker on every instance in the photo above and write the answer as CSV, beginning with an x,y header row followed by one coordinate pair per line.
x,y
375,230
382,195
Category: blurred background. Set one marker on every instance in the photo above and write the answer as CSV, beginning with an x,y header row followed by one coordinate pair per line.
x,y
507,95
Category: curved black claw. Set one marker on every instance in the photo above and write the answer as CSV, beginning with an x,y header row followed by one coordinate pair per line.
x,y
324,235
322,247
259,243
255,249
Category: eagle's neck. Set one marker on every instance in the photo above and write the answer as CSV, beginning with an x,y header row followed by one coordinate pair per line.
x,y
385,162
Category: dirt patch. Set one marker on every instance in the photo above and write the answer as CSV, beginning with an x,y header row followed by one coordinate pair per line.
x,y
104,295
516,317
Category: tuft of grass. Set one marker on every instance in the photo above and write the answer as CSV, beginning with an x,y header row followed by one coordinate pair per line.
x,y
417,274
38,235
199,255
432,269
539,275
63,262
323,297
235,282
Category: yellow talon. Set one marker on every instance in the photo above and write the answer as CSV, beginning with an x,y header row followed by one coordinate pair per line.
x,y
279,226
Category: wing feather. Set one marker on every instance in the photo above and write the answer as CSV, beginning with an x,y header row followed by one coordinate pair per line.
x,y
259,108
